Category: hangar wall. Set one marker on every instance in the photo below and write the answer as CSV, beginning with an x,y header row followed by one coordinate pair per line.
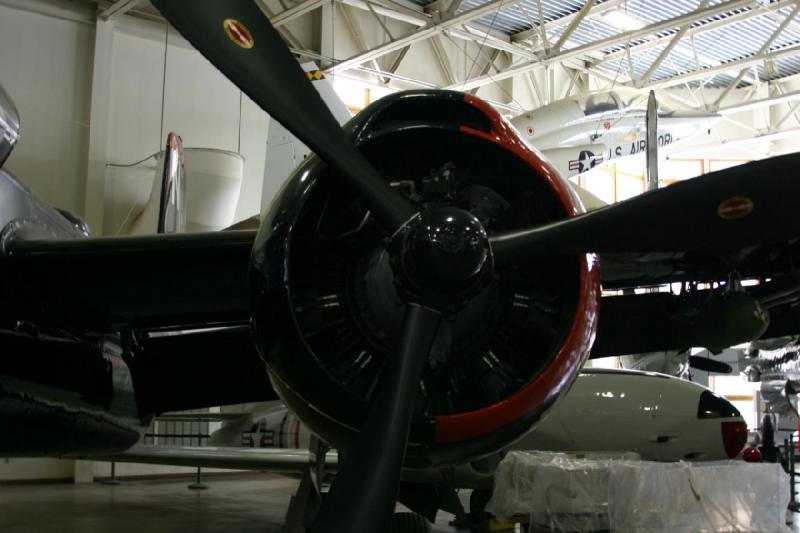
x,y
155,91
46,58
46,67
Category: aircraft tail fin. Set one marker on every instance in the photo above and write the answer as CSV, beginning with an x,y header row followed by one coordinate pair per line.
x,y
651,124
172,205
284,151
164,211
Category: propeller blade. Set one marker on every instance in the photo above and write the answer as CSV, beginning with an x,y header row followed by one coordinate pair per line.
x,y
709,365
372,466
726,210
237,38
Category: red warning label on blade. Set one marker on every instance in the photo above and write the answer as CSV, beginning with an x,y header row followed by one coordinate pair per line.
x,y
734,208
238,33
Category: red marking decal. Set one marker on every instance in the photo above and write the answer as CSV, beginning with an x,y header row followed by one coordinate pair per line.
x,y
606,125
734,208
238,33
530,130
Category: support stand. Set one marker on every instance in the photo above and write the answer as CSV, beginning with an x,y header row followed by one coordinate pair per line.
x,y
198,484
307,500
113,480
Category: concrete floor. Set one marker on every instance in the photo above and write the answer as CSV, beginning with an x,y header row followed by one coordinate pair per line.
x,y
233,504
256,503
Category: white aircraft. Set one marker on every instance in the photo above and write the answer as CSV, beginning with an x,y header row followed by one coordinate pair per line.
x,y
582,132
660,417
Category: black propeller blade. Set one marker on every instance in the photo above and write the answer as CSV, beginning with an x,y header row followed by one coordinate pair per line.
x,y
726,210
372,466
709,365
238,39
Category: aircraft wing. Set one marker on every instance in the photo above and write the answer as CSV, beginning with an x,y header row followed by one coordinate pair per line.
x,y
277,460
677,320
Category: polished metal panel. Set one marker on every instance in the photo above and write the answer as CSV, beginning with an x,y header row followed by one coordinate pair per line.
x,y
9,125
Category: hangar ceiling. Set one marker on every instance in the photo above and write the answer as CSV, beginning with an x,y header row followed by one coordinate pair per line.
x,y
638,43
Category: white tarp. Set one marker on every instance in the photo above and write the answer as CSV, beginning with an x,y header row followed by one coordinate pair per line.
x,y
698,497
558,491
596,491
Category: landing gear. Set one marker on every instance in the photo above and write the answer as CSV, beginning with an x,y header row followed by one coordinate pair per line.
x,y
313,488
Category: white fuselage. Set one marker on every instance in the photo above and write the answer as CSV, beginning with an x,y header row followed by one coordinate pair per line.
x,y
652,414
580,133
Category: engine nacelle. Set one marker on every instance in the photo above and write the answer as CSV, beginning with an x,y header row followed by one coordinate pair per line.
x,y
326,309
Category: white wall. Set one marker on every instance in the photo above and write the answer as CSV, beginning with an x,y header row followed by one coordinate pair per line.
x,y
46,59
46,67
23,468
154,93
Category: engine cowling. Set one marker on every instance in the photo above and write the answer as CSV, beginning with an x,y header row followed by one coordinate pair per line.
x,y
327,310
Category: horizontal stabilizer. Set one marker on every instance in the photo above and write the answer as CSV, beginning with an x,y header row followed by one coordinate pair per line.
x,y
277,460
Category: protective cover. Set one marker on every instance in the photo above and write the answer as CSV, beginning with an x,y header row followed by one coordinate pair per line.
x,y
558,491
696,497
616,492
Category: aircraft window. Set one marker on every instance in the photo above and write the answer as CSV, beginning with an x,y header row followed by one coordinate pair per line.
x,y
714,406
601,103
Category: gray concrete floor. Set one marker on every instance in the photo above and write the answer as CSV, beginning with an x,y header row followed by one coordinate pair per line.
x,y
255,503
233,504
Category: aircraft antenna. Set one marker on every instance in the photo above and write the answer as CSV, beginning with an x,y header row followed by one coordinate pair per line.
x,y
651,126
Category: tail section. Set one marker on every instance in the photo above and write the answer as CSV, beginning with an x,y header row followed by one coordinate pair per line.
x,y
172,207
284,151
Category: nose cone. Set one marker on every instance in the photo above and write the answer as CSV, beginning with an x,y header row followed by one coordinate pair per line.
x,y
447,252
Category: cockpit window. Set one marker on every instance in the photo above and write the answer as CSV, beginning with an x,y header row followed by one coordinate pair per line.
x,y
601,103
714,406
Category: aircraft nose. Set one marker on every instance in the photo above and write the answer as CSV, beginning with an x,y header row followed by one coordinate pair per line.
x,y
734,436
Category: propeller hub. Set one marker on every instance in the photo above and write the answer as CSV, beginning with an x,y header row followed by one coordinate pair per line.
x,y
444,256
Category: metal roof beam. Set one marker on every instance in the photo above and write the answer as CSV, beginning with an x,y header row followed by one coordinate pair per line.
x,y
573,25
355,33
119,8
614,40
764,47
763,102
709,71
487,66
441,57
397,11
759,11
666,51
293,41
296,11
421,34
562,21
